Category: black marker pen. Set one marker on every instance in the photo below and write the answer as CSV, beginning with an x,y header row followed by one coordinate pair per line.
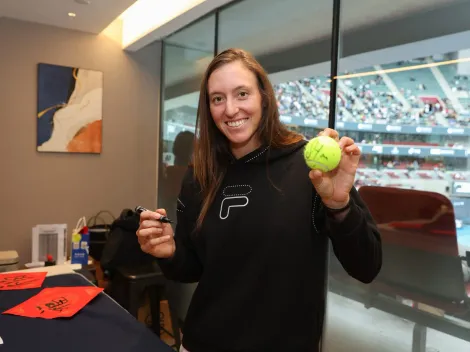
x,y
139,209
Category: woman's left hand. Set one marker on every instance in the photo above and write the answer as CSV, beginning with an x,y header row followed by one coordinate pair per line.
x,y
333,187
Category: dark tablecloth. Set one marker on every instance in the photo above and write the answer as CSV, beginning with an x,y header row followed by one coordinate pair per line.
x,y
102,325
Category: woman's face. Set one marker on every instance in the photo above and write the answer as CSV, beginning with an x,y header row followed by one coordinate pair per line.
x,y
236,106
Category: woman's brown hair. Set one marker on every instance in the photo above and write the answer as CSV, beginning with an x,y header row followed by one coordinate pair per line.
x,y
211,149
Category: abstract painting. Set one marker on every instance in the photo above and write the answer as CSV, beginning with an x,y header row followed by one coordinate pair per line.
x,y
69,110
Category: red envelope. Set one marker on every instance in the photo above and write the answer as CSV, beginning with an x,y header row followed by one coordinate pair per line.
x,y
21,281
56,302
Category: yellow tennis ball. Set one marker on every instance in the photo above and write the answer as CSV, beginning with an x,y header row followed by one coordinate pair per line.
x,y
322,153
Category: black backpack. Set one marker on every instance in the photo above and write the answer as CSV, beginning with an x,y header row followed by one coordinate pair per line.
x,y
122,249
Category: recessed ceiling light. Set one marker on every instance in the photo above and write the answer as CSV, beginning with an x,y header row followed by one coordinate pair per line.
x,y
83,2
71,14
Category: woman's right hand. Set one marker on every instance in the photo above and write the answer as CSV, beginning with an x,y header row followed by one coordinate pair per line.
x,y
156,238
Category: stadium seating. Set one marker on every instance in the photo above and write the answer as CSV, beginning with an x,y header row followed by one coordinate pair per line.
x,y
419,244
369,99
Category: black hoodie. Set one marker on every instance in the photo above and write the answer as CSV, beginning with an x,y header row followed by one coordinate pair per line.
x,y
260,255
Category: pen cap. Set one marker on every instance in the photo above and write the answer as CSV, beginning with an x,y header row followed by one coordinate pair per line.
x,y
139,209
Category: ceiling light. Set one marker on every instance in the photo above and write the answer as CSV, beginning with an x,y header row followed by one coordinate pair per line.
x,y
144,16
72,14
83,2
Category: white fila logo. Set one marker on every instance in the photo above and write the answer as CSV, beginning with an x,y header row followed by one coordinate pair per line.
x,y
235,197
232,202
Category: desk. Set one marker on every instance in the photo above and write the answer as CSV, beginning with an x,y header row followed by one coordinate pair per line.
x,y
50,270
101,326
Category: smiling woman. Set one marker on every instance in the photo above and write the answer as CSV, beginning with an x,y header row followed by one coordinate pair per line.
x,y
235,106
251,216
402,91
237,113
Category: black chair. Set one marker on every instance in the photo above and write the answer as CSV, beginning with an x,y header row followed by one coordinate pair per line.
x,y
128,286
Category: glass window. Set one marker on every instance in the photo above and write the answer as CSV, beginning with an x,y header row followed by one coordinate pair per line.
x,y
403,95
186,55
278,33
292,41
